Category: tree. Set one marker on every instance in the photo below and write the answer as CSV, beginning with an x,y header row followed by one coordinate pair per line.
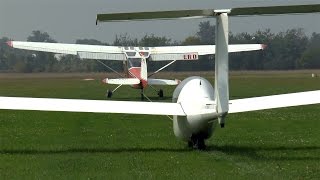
x,y
191,40
90,41
152,41
38,36
41,61
206,33
124,40
311,57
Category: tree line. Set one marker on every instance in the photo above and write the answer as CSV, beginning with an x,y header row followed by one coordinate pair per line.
x,y
288,50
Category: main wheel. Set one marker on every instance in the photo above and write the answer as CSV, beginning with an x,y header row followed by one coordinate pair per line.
x,y
109,93
200,145
198,142
160,93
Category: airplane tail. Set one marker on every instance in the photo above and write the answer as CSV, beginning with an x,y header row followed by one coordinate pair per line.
x,y
163,81
222,68
125,81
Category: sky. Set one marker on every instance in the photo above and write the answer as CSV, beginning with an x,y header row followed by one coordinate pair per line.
x,y
69,20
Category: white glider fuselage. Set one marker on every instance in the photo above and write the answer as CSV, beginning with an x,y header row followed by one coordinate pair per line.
x,y
196,96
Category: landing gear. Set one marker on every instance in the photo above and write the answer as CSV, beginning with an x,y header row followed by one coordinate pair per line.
x,y
109,93
197,142
160,93
142,95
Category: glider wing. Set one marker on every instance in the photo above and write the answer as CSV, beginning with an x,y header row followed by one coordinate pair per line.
x,y
96,106
275,101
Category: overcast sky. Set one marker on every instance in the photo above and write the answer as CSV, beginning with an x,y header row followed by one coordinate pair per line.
x,y
69,20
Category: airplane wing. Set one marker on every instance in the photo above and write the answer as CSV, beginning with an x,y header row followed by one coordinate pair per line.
x,y
192,52
165,53
96,106
275,101
83,51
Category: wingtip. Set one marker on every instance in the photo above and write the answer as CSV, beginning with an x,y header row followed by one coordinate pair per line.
x,y
9,43
263,46
105,81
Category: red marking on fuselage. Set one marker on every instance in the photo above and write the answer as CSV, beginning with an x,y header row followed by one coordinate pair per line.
x,y
135,72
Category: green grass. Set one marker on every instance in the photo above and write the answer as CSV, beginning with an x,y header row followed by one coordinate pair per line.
x,y
272,144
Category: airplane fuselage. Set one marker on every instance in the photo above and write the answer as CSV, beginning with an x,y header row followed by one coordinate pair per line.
x,y
137,68
135,72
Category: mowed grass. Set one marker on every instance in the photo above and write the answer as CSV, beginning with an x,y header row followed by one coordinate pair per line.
x,y
272,144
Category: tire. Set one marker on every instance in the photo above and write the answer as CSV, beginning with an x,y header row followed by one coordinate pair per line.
x,y
109,93
160,93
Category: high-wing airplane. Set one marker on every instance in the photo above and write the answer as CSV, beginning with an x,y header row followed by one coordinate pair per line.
x,y
196,106
134,59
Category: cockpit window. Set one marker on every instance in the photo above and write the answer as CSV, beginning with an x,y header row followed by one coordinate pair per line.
x,y
134,62
131,54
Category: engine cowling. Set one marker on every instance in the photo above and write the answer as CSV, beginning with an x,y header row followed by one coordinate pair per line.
x,y
196,96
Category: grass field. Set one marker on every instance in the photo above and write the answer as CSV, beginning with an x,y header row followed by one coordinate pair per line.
x,y
272,144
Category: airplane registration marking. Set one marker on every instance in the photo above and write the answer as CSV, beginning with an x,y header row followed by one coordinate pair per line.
x,y
192,56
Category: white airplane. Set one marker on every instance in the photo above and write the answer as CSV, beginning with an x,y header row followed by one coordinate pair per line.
x,y
197,107
134,59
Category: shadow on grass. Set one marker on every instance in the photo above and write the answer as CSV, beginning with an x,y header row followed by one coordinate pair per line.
x,y
89,150
269,153
275,153
138,98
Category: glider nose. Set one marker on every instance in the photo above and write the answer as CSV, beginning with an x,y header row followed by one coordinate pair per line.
x,y
263,46
9,43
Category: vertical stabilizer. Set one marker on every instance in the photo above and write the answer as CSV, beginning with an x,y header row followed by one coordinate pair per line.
x,y
222,67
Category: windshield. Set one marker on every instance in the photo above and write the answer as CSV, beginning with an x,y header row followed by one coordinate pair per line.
x,y
134,62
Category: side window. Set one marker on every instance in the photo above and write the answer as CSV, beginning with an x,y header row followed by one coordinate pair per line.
x,y
134,62
131,54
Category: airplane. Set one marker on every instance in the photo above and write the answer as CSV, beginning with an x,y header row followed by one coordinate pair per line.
x,y
134,59
196,106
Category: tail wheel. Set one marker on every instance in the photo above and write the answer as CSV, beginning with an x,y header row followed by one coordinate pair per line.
x,y
160,93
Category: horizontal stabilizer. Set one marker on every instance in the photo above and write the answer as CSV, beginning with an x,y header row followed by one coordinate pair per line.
x,y
142,16
96,106
124,81
163,82
204,13
275,101
270,10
